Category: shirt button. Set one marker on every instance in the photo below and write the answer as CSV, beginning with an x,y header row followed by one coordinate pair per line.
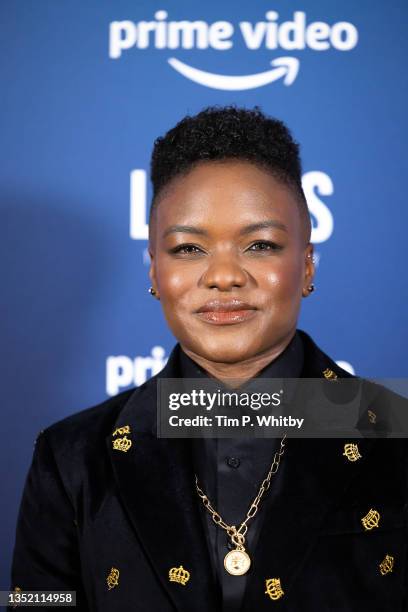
x,y
233,462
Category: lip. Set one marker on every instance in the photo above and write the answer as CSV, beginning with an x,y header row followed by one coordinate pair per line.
x,y
228,312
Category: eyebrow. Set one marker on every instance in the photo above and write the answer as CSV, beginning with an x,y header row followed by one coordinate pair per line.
x,y
248,229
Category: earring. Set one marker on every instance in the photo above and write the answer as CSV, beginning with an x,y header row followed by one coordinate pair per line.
x,y
152,291
309,290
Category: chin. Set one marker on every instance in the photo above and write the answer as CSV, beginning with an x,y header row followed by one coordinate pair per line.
x,y
224,351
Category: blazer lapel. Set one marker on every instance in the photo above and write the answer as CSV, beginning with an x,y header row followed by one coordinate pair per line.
x,y
156,483
313,476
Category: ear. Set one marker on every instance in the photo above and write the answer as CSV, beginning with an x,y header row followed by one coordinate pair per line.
x,y
152,269
310,266
309,270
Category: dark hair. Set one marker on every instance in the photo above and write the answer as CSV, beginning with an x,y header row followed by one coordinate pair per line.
x,y
228,132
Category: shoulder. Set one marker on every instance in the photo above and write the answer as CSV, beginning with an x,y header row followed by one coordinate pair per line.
x,y
76,444
318,363
90,423
378,396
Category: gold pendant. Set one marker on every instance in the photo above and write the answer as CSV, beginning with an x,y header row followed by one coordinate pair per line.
x,y
237,562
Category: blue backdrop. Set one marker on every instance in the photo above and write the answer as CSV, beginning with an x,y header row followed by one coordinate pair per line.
x,y
86,88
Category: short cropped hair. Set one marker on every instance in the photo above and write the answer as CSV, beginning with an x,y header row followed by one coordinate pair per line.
x,y
229,133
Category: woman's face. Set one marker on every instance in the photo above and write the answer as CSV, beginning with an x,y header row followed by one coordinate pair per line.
x,y
229,232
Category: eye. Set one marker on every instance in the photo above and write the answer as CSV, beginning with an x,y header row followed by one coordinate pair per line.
x,y
186,249
265,245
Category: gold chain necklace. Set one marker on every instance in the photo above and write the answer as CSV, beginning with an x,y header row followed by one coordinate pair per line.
x,y
237,561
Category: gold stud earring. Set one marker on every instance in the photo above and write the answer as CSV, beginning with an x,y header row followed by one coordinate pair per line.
x,y
308,290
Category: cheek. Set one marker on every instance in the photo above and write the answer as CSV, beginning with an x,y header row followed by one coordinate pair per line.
x,y
173,282
284,281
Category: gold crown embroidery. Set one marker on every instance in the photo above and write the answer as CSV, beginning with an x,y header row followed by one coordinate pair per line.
x,y
122,444
113,578
372,417
386,565
351,452
273,588
371,519
329,374
16,589
121,430
179,574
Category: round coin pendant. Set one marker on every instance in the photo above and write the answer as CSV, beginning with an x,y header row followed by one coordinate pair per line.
x,y
237,562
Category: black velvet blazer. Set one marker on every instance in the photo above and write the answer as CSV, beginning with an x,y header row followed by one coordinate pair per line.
x,y
111,524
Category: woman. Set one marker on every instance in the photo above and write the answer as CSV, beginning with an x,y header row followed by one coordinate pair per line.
x,y
133,522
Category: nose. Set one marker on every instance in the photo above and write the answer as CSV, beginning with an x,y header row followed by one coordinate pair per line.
x,y
224,273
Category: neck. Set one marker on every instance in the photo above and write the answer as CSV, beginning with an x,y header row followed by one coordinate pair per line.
x,y
235,374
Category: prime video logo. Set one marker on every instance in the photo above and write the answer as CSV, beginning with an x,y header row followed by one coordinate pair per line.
x,y
293,35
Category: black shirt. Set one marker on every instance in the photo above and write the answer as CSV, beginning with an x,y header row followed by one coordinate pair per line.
x,y
230,472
